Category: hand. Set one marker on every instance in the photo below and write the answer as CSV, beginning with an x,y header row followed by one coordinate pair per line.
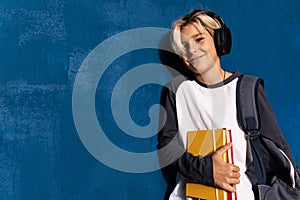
x,y
226,175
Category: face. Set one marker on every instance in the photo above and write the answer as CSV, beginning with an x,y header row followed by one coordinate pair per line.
x,y
200,52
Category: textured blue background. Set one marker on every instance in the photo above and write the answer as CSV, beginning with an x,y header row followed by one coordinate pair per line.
x,y
42,45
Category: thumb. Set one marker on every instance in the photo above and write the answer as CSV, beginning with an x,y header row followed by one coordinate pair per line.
x,y
223,149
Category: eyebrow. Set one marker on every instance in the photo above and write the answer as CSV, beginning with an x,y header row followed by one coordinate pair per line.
x,y
193,37
196,35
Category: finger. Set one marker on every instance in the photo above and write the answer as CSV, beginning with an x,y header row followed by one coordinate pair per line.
x,y
229,188
234,168
223,149
233,185
234,181
235,175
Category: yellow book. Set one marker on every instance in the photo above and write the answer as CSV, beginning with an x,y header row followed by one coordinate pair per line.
x,y
205,142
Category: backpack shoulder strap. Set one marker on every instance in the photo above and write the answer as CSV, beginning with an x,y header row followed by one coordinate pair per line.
x,y
247,106
249,120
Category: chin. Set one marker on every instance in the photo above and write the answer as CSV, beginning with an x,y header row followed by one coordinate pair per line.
x,y
198,69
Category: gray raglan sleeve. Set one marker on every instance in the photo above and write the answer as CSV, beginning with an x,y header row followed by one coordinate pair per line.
x,y
269,125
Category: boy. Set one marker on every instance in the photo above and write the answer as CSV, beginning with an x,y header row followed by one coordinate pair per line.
x,y
206,99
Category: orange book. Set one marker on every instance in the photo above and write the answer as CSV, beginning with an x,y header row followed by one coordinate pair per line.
x,y
205,142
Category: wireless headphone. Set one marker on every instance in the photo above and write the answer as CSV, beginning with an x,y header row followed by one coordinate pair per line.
x,y
222,36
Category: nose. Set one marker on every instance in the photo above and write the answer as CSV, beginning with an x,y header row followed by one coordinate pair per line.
x,y
192,48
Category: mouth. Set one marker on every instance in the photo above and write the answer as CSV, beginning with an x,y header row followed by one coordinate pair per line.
x,y
193,60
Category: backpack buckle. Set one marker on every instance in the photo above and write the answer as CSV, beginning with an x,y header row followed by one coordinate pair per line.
x,y
252,128
253,134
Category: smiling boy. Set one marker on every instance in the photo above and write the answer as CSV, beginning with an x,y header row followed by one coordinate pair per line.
x,y
207,100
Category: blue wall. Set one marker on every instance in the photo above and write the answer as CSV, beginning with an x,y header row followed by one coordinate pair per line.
x,y
43,44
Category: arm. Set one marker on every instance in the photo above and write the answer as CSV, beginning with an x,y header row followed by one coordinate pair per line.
x,y
269,125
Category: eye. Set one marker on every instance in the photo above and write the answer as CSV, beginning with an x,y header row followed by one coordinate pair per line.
x,y
199,39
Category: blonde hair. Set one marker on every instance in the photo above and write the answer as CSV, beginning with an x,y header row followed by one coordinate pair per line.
x,y
200,17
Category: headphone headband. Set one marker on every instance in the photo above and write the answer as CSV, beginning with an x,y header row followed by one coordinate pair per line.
x,y
211,14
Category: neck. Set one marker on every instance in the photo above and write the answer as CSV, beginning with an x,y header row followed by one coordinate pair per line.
x,y
212,76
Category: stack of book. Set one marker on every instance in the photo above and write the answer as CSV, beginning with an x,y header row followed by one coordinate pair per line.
x,y
205,142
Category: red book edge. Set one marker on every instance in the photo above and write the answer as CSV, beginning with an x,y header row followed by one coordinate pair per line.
x,y
231,196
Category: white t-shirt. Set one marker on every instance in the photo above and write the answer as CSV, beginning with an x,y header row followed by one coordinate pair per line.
x,y
199,108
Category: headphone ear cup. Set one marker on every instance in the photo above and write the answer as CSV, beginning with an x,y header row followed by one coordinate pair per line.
x,y
223,42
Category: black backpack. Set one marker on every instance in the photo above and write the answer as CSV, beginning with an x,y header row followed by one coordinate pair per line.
x,y
285,183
